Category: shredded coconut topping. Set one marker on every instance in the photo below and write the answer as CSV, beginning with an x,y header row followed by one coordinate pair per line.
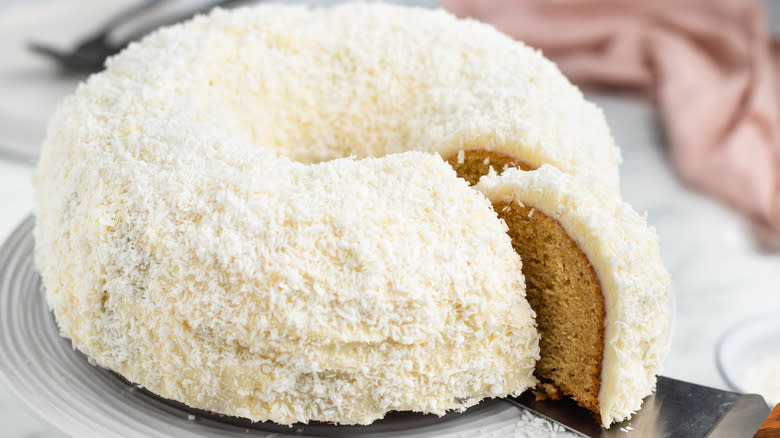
x,y
278,291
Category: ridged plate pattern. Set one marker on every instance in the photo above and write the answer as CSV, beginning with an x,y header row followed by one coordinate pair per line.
x,y
60,385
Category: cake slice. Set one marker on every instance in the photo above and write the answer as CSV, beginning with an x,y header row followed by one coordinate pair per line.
x,y
595,279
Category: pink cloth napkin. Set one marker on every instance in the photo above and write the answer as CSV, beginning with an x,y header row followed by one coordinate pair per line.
x,y
710,64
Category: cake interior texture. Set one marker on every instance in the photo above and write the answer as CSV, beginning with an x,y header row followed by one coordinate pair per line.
x,y
564,291
473,163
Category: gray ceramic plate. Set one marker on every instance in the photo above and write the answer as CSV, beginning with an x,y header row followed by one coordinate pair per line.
x,y
60,385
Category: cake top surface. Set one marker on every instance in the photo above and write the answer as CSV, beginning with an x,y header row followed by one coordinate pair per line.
x,y
357,80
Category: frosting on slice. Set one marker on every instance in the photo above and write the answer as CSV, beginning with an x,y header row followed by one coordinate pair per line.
x,y
623,251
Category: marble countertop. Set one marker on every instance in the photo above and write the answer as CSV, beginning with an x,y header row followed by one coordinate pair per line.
x,y
720,275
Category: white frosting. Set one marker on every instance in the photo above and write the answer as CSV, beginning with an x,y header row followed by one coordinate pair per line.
x,y
623,251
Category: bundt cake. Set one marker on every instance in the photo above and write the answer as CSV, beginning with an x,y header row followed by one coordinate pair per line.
x,y
252,213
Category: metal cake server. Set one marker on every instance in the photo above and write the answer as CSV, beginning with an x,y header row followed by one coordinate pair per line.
x,y
677,409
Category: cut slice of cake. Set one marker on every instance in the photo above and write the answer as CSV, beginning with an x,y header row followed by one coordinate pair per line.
x,y
595,279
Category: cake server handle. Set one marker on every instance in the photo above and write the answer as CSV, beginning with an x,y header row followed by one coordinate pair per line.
x,y
771,427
